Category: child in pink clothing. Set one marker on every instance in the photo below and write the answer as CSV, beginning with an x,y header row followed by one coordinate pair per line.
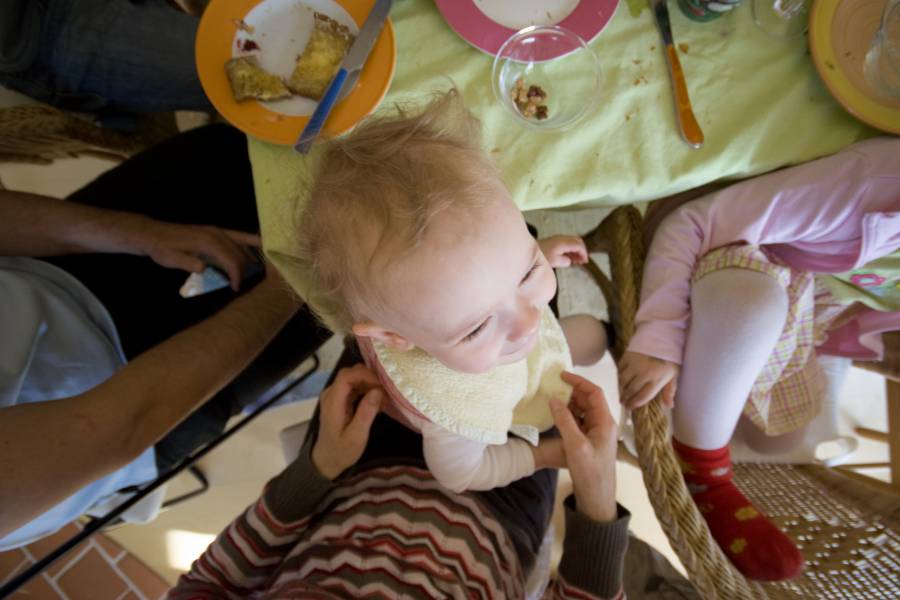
x,y
727,322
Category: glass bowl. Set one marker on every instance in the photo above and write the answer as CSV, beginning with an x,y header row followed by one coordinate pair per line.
x,y
560,63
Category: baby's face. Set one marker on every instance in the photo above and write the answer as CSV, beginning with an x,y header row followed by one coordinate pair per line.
x,y
472,293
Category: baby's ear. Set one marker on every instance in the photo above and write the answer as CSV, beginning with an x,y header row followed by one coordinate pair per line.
x,y
386,337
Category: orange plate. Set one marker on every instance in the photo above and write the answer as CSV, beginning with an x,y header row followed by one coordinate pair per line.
x,y
216,43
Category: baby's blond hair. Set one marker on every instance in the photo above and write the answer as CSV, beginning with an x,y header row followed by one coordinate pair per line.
x,y
387,180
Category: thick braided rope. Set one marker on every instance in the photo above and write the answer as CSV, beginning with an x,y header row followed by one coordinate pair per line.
x,y
709,570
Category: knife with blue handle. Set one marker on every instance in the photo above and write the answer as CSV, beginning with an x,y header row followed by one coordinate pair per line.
x,y
354,61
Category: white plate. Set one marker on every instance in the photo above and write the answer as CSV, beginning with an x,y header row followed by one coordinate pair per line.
x,y
281,29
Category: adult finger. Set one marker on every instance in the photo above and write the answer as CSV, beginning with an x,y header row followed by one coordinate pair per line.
x,y
366,411
330,410
585,392
565,422
579,383
244,238
181,260
595,412
217,249
357,377
336,402
230,256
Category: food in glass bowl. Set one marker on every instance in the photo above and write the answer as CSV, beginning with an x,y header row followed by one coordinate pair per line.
x,y
529,99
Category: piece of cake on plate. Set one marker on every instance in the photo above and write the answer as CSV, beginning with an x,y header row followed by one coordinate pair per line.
x,y
321,58
250,82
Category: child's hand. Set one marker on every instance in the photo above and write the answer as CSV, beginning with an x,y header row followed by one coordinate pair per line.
x,y
590,442
642,377
564,250
347,409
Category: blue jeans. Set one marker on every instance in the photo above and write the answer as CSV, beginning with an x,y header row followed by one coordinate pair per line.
x,y
113,56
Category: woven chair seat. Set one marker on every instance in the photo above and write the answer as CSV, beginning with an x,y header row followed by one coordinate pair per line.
x,y
41,134
847,531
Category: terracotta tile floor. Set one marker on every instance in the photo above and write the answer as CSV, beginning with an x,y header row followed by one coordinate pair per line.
x,y
98,569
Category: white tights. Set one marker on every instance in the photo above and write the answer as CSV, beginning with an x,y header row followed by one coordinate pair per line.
x,y
737,316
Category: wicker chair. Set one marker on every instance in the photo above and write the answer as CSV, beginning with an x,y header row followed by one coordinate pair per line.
x,y
848,531
40,134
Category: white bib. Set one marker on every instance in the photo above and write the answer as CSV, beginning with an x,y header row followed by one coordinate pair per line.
x,y
484,407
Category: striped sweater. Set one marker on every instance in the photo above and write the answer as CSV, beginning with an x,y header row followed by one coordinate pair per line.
x,y
388,533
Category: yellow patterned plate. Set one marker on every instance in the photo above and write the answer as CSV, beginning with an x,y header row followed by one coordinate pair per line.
x,y
840,32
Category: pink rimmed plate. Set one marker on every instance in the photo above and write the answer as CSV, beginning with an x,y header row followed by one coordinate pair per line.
x,y
486,24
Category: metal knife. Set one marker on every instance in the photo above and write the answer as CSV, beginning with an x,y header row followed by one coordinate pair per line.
x,y
690,129
354,61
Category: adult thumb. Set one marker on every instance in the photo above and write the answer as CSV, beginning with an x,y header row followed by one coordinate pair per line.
x,y
366,411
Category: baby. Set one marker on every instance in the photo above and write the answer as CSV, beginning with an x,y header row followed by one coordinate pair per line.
x,y
412,243
741,289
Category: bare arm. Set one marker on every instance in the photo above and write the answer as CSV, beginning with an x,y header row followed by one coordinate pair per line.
x,y
49,450
34,225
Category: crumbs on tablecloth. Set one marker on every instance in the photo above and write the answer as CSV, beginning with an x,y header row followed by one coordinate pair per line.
x,y
636,61
529,99
242,26
684,48
640,80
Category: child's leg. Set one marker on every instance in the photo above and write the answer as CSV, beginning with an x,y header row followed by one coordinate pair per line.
x,y
737,316
587,339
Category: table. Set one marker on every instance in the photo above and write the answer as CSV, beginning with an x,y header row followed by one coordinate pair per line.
x,y
759,101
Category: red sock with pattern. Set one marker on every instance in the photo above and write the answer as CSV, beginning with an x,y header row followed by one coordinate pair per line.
x,y
754,544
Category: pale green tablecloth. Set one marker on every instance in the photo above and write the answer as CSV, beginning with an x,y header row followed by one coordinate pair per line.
x,y
759,101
